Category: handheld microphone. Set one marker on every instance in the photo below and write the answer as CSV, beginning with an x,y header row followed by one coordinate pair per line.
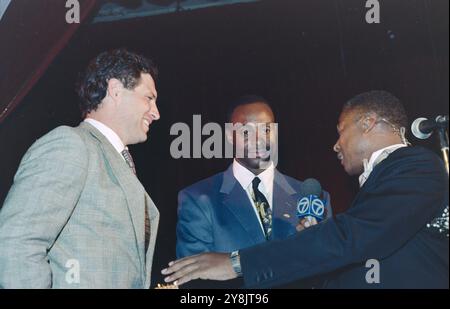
x,y
423,128
310,206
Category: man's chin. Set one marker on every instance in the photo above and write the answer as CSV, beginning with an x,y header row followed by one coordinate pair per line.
x,y
255,163
140,139
266,157
352,171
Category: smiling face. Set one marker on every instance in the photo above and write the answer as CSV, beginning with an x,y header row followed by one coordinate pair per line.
x,y
254,140
351,146
137,110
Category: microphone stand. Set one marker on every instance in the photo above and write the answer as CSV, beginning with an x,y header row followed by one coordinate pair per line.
x,y
443,139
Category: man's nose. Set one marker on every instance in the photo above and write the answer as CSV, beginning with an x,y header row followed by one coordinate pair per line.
x,y
262,141
154,112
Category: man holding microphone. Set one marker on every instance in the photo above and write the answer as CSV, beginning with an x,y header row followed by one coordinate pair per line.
x,y
391,220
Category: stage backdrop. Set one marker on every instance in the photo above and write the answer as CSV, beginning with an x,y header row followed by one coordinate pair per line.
x,y
306,57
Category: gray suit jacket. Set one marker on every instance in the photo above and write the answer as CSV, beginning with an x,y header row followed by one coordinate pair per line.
x,y
74,217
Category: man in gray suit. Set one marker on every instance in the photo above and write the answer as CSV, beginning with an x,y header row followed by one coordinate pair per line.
x,y
77,215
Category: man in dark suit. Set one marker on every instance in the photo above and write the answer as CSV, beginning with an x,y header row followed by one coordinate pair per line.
x,y
394,235
223,213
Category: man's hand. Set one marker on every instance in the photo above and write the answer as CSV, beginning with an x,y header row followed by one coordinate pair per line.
x,y
213,266
305,223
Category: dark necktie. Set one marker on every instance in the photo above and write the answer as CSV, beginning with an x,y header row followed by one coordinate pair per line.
x,y
129,159
263,207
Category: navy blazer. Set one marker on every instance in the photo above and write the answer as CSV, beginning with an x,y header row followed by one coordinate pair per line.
x,y
215,214
387,221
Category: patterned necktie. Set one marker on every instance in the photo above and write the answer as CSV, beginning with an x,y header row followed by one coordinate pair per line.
x,y
129,159
263,207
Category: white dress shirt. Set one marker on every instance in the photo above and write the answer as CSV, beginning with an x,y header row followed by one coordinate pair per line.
x,y
376,158
245,178
110,135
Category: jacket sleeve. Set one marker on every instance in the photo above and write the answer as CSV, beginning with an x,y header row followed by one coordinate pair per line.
x,y
194,227
406,196
45,191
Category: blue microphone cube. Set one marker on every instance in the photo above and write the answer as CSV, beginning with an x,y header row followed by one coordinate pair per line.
x,y
311,206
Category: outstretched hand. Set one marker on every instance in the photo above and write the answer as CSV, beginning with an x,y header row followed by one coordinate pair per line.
x,y
213,266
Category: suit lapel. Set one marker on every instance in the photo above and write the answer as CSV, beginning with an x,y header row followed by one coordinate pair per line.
x,y
238,203
153,214
132,189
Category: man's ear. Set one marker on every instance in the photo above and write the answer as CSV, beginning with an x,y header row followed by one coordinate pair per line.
x,y
115,88
368,123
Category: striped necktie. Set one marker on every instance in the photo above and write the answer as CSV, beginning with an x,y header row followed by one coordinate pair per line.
x,y
129,159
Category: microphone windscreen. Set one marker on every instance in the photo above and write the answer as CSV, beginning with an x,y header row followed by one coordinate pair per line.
x,y
418,131
311,187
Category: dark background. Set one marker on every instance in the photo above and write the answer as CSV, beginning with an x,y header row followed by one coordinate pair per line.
x,y
307,57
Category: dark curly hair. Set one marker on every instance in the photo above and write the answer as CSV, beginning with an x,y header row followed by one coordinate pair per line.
x,y
121,64
382,103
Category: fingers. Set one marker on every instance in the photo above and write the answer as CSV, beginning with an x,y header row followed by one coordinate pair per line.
x,y
178,264
187,278
184,274
299,228
303,224
306,223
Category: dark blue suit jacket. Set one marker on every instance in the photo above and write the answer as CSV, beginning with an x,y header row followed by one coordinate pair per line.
x,y
215,214
387,221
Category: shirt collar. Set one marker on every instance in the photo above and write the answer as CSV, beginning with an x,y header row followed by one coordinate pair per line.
x,y
375,159
110,135
245,176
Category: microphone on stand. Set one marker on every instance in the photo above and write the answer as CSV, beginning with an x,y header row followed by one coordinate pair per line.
x,y
423,128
